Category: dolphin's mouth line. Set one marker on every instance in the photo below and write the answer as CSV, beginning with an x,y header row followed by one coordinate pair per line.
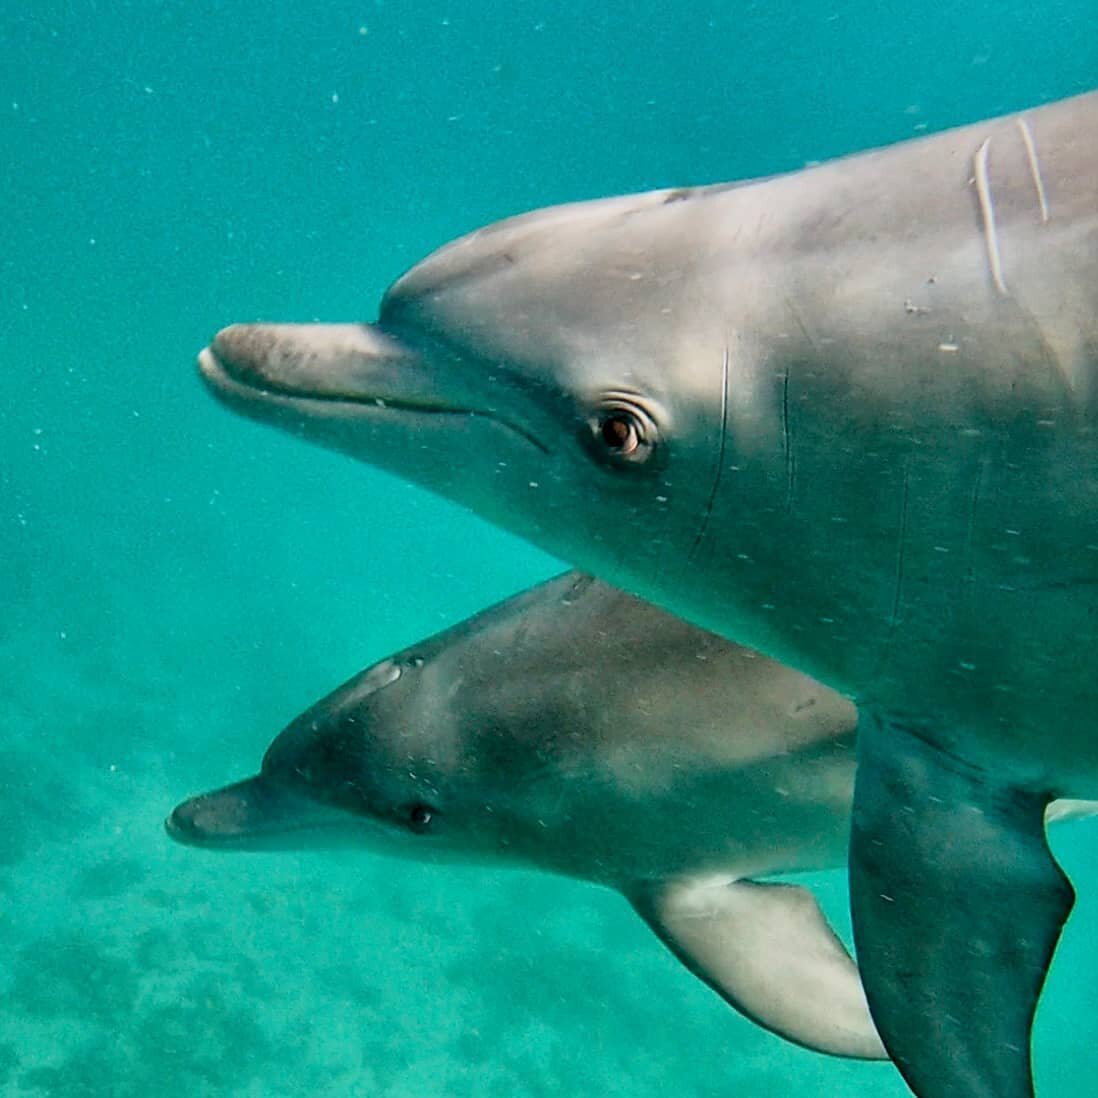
x,y
225,839
211,363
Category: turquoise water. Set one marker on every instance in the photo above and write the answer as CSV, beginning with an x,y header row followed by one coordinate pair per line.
x,y
178,583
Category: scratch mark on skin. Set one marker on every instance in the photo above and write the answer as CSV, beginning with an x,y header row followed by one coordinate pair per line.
x,y
799,320
787,444
1034,166
901,544
698,538
987,213
973,507
898,581
790,457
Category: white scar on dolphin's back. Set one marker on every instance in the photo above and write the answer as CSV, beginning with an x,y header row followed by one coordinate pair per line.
x,y
987,213
1034,166
987,201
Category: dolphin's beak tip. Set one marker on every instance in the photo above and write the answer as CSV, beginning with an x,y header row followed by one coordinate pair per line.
x,y
238,352
207,361
221,344
180,825
223,337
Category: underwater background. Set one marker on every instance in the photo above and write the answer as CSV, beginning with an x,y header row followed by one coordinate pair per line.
x,y
177,583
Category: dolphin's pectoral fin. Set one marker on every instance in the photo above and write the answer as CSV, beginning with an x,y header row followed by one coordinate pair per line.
x,y
1070,810
958,905
768,951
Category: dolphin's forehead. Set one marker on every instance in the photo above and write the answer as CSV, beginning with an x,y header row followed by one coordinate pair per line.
x,y
559,233
610,293
605,267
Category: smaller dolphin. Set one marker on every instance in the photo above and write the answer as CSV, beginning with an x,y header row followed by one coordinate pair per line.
x,y
578,730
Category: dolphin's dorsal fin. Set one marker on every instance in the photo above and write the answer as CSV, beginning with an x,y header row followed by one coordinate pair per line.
x,y
768,950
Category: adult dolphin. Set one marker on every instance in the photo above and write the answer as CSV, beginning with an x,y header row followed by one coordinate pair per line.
x,y
576,729
846,416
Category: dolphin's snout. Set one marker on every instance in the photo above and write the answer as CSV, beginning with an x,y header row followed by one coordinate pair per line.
x,y
240,355
322,361
246,351
260,356
214,819
183,824
256,814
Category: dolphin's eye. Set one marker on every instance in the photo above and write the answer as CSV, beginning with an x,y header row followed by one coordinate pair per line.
x,y
420,817
622,433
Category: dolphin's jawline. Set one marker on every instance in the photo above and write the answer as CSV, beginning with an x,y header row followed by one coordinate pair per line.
x,y
244,840
220,375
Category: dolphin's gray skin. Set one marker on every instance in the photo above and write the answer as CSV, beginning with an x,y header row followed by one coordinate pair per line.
x,y
846,416
578,730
